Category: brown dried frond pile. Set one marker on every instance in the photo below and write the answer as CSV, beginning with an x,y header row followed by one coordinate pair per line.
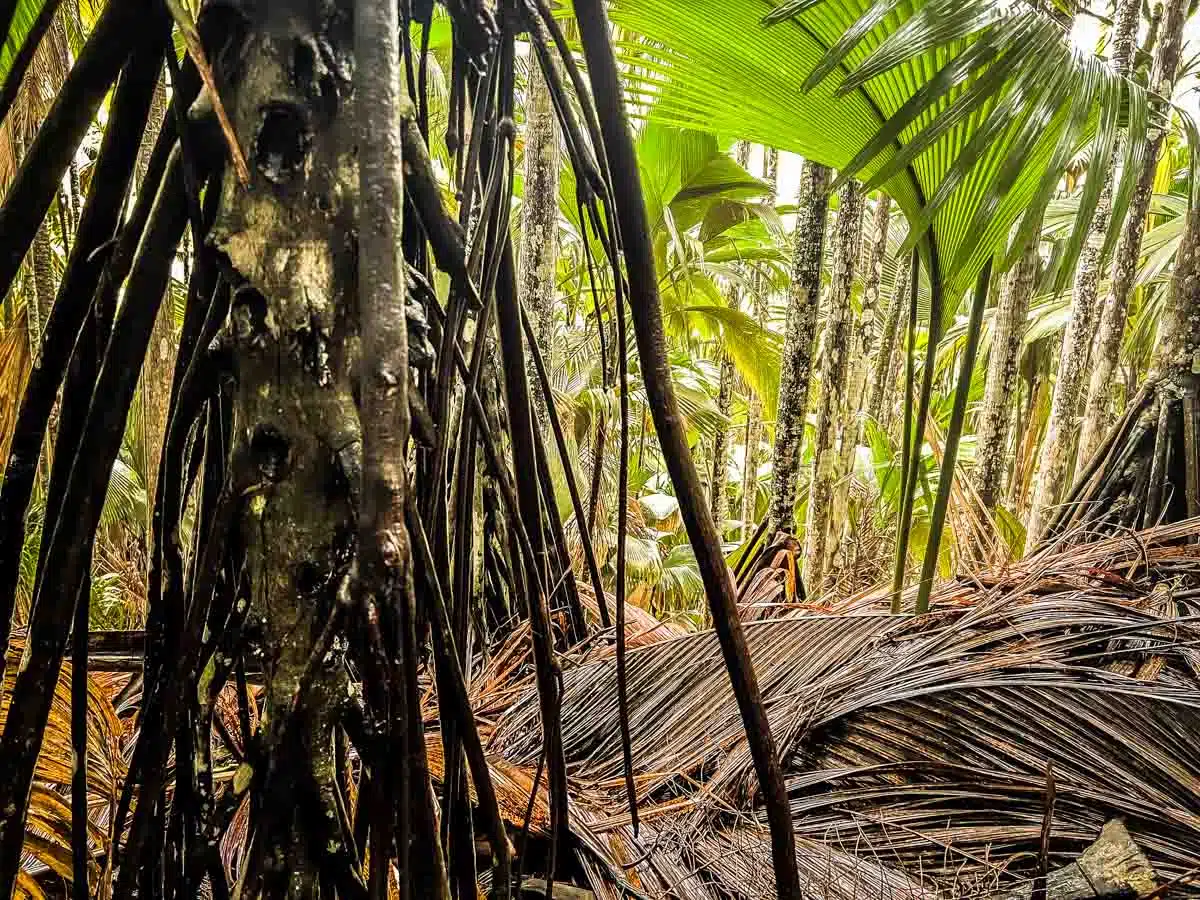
x,y
917,749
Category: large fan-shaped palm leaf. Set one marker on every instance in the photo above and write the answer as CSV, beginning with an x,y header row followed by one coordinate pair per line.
x,y
966,111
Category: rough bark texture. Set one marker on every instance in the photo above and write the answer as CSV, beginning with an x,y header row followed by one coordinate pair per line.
x,y
883,380
291,237
999,393
1177,354
832,403
38,307
718,482
864,342
539,221
155,389
754,410
795,372
1058,451
1054,464
1114,866
1098,414
870,333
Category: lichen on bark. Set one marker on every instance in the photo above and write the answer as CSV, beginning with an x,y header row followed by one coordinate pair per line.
x,y
832,426
539,223
291,236
796,362
1098,413
999,403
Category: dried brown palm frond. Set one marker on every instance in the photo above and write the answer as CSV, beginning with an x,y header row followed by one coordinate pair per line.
x,y
916,748
47,71
15,361
48,829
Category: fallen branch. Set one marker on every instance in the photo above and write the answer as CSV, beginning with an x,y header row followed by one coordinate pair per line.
x,y
536,887
1113,867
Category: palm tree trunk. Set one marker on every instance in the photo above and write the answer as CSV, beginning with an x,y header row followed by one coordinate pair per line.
x,y
871,338
539,222
750,463
718,483
865,342
754,417
887,360
41,258
999,394
1054,467
795,372
155,393
1098,409
866,336
831,406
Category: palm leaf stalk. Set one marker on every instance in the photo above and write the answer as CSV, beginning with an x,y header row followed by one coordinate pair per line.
x,y
953,435
1056,455
796,366
1107,345
647,319
996,412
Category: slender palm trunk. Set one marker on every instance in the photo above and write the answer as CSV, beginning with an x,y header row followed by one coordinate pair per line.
x,y
869,343
155,394
718,482
39,304
996,414
539,222
750,463
754,409
865,342
831,406
795,373
1098,413
1058,452
881,403
887,360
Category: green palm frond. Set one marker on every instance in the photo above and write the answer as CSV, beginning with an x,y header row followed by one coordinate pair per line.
x,y
965,111
25,14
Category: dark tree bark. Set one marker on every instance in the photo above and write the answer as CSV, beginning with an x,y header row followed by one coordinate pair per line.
x,y
796,364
